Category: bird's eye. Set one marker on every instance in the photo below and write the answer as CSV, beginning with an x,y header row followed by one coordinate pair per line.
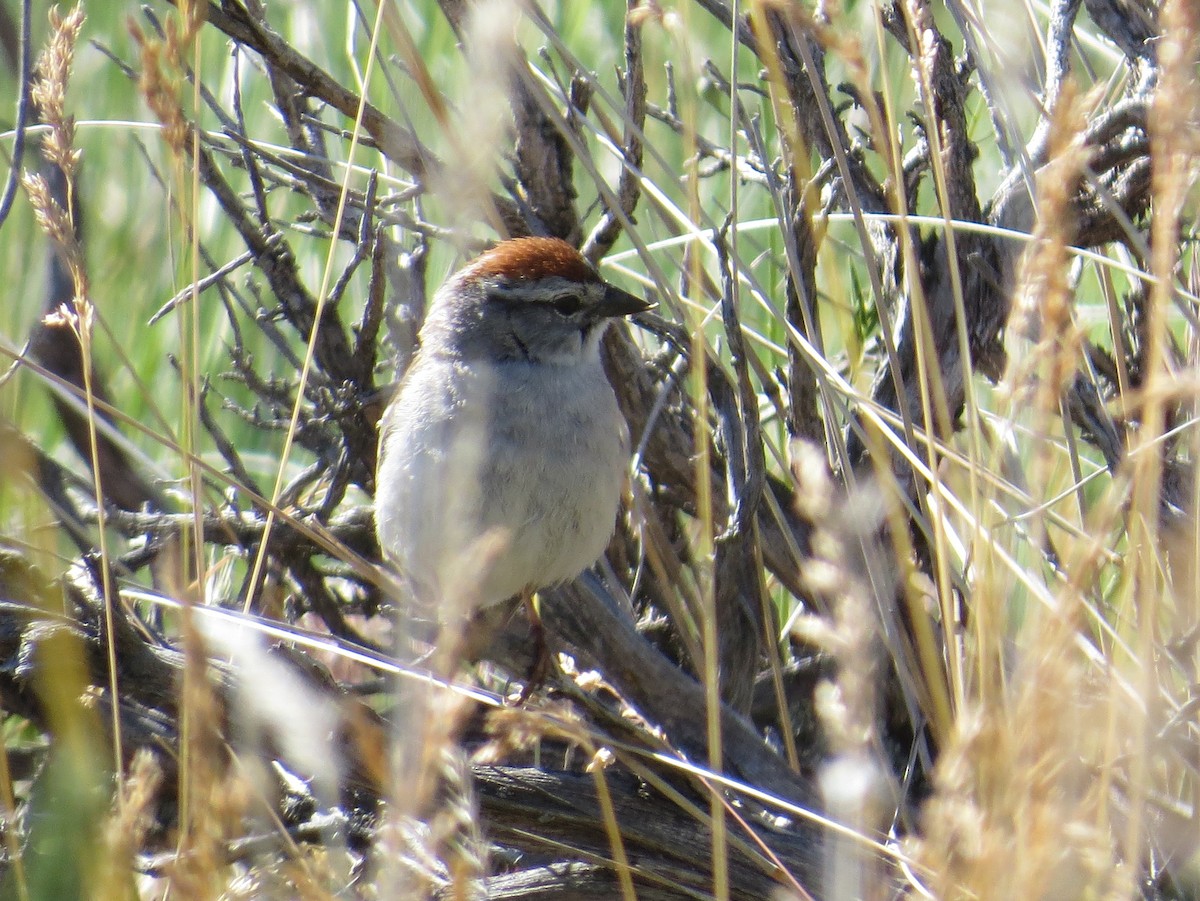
x,y
567,304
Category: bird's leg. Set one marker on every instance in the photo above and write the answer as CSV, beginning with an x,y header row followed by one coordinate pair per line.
x,y
539,669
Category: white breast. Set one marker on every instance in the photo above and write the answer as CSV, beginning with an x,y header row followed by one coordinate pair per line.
x,y
509,481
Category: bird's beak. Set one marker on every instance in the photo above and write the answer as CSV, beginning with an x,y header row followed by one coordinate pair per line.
x,y
620,303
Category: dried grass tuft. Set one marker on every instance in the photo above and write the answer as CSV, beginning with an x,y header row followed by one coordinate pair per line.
x,y
52,75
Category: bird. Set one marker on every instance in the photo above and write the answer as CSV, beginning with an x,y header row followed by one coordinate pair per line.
x,y
503,453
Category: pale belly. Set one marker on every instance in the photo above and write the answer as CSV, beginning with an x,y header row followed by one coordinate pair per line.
x,y
511,483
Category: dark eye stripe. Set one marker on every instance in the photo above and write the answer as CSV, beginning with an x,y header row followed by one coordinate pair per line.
x,y
567,304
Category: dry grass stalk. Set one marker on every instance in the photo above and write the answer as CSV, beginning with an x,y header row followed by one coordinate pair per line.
x,y
126,830
1154,613
161,84
1043,308
163,68
852,781
212,797
518,730
49,90
1017,810
455,827
56,223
